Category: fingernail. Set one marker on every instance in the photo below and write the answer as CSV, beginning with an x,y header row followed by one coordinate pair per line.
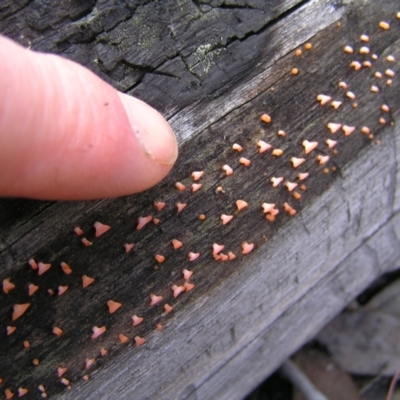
x,y
151,130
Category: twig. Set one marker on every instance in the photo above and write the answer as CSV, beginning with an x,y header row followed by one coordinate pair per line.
x,y
301,382
393,384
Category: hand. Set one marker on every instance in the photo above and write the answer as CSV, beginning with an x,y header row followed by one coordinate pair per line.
x,y
65,134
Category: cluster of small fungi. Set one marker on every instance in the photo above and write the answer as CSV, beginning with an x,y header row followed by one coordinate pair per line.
x,y
322,151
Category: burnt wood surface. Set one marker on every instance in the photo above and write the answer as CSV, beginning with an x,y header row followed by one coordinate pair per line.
x,y
212,68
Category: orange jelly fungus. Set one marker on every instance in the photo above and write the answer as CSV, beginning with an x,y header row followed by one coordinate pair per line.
x,y
244,161
188,286
247,247
323,99
180,186
177,290
61,371
302,175
42,268
168,308
226,218
308,46
7,285
322,159
159,258
22,391
290,210
86,281
113,306
290,186
142,221
241,204
331,143
57,331
196,187
231,256
277,152
193,256
187,274
136,320
122,338
176,244
103,351
263,146
26,345
180,206
62,290
97,331
276,181
101,228
336,104
128,247
237,147
348,130
202,217
66,268
89,362
228,170
65,381
10,330
19,310
159,205
139,340
217,248
78,231
296,162
9,394
196,175
309,146
154,299
333,127
86,242
266,118
32,263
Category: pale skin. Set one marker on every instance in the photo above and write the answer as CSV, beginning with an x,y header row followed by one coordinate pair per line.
x,y
67,135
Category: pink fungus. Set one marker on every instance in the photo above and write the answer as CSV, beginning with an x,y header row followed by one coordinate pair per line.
x,y
159,205
32,289
180,206
350,95
113,306
343,85
188,286
103,351
196,187
231,256
19,310
61,371
180,186
244,161
333,127
139,341
241,204
101,228
168,308
154,299
367,64
142,221
160,258
128,247
177,290
32,263
66,268
176,244
355,65
7,285
247,247
348,130
385,108
237,147
228,170
263,146
136,320
86,242
226,218
196,175
86,281
9,394
57,331
277,152
323,99
268,207
364,50
276,181
97,331
62,290
22,391
281,133
187,274
78,231
217,248
309,146
26,345
364,38
156,221
65,381
42,268
390,58
193,256
296,162
302,175
331,143
348,49
374,89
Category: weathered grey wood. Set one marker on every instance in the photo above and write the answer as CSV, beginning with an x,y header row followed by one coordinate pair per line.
x,y
244,317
